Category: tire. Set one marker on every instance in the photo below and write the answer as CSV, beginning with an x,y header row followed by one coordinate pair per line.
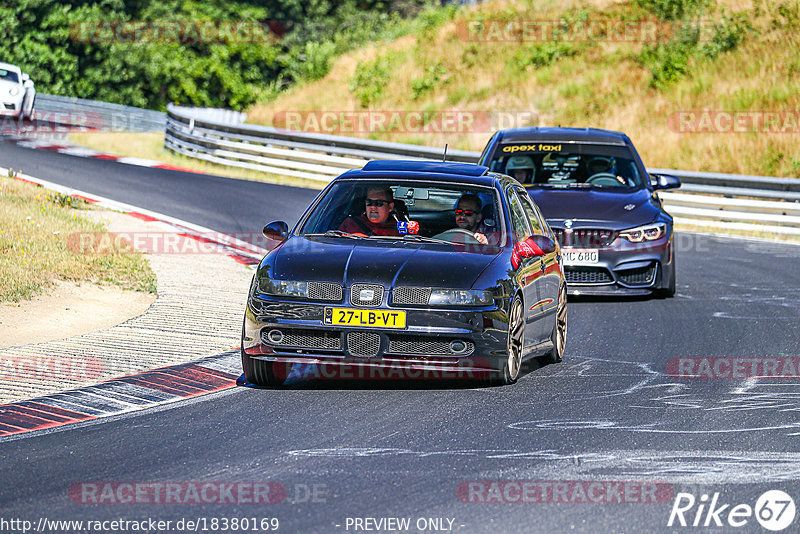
x,y
559,334
260,372
669,291
509,372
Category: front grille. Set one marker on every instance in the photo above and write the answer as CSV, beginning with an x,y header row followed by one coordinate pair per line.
x,y
411,295
363,343
324,291
304,339
355,295
425,346
642,276
584,237
12,107
587,275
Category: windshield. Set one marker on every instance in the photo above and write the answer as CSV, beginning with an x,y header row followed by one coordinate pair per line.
x,y
9,76
408,210
566,165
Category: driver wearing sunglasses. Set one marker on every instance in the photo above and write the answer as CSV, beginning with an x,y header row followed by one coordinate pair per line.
x,y
377,218
469,217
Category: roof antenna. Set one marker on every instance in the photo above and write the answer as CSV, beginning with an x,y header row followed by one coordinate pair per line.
x,y
444,156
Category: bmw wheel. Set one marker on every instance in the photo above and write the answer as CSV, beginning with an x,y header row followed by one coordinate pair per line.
x,y
669,291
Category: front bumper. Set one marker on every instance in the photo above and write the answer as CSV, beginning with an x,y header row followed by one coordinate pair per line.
x,y
624,268
441,340
10,109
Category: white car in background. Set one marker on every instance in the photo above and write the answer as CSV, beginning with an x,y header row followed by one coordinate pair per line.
x,y
17,95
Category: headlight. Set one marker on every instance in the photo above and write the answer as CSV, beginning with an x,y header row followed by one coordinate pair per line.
x,y
651,232
460,297
283,288
14,91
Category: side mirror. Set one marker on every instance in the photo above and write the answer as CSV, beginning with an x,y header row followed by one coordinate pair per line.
x,y
532,247
664,181
276,230
25,77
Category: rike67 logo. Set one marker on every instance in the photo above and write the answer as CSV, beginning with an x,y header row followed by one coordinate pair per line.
x,y
774,510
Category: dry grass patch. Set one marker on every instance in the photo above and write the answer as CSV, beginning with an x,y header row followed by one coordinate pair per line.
x,y
595,83
37,245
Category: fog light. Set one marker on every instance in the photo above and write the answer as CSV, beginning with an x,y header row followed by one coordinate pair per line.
x,y
457,347
275,336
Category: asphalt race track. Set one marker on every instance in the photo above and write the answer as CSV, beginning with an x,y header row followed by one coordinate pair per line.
x,y
342,451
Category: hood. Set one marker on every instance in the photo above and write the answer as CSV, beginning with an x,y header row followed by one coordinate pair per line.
x,y
600,208
6,86
388,263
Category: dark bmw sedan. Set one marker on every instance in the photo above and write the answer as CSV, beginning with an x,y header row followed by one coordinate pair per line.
x,y
600,201
417,266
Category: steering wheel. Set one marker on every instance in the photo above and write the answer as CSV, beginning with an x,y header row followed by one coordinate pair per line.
x,y
450,235
604,179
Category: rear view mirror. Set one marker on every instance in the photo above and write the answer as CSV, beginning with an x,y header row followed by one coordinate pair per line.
x,y
664,181
276,230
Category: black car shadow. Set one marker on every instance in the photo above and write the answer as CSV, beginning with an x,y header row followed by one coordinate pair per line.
x,y
476,380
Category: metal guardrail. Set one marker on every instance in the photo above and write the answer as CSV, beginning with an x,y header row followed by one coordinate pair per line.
x,y
98,115
758,203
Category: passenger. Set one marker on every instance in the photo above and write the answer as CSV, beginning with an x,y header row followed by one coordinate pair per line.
x,y
470,217
522,169
378,218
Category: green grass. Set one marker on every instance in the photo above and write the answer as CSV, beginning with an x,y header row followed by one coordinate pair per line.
x,y
37,245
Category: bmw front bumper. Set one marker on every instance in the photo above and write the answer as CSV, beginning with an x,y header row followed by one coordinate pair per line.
x,y
624,268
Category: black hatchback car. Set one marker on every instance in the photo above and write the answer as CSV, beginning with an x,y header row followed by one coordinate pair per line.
x,y
593,189
409,265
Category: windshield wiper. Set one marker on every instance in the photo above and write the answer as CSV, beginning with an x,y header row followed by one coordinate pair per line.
x,y
422,238
414,238
335,233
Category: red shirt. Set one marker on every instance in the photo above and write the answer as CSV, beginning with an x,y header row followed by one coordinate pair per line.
x,y
351,226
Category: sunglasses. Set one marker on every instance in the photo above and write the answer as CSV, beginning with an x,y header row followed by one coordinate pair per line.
x,y
377,202
466,213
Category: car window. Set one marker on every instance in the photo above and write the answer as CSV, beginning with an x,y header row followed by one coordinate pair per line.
x,y
9,76
561,165
534,218
430,205
519,219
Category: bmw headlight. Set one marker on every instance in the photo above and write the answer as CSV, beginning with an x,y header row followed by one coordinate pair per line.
x,y
283,288
649,232
460,297
14,91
